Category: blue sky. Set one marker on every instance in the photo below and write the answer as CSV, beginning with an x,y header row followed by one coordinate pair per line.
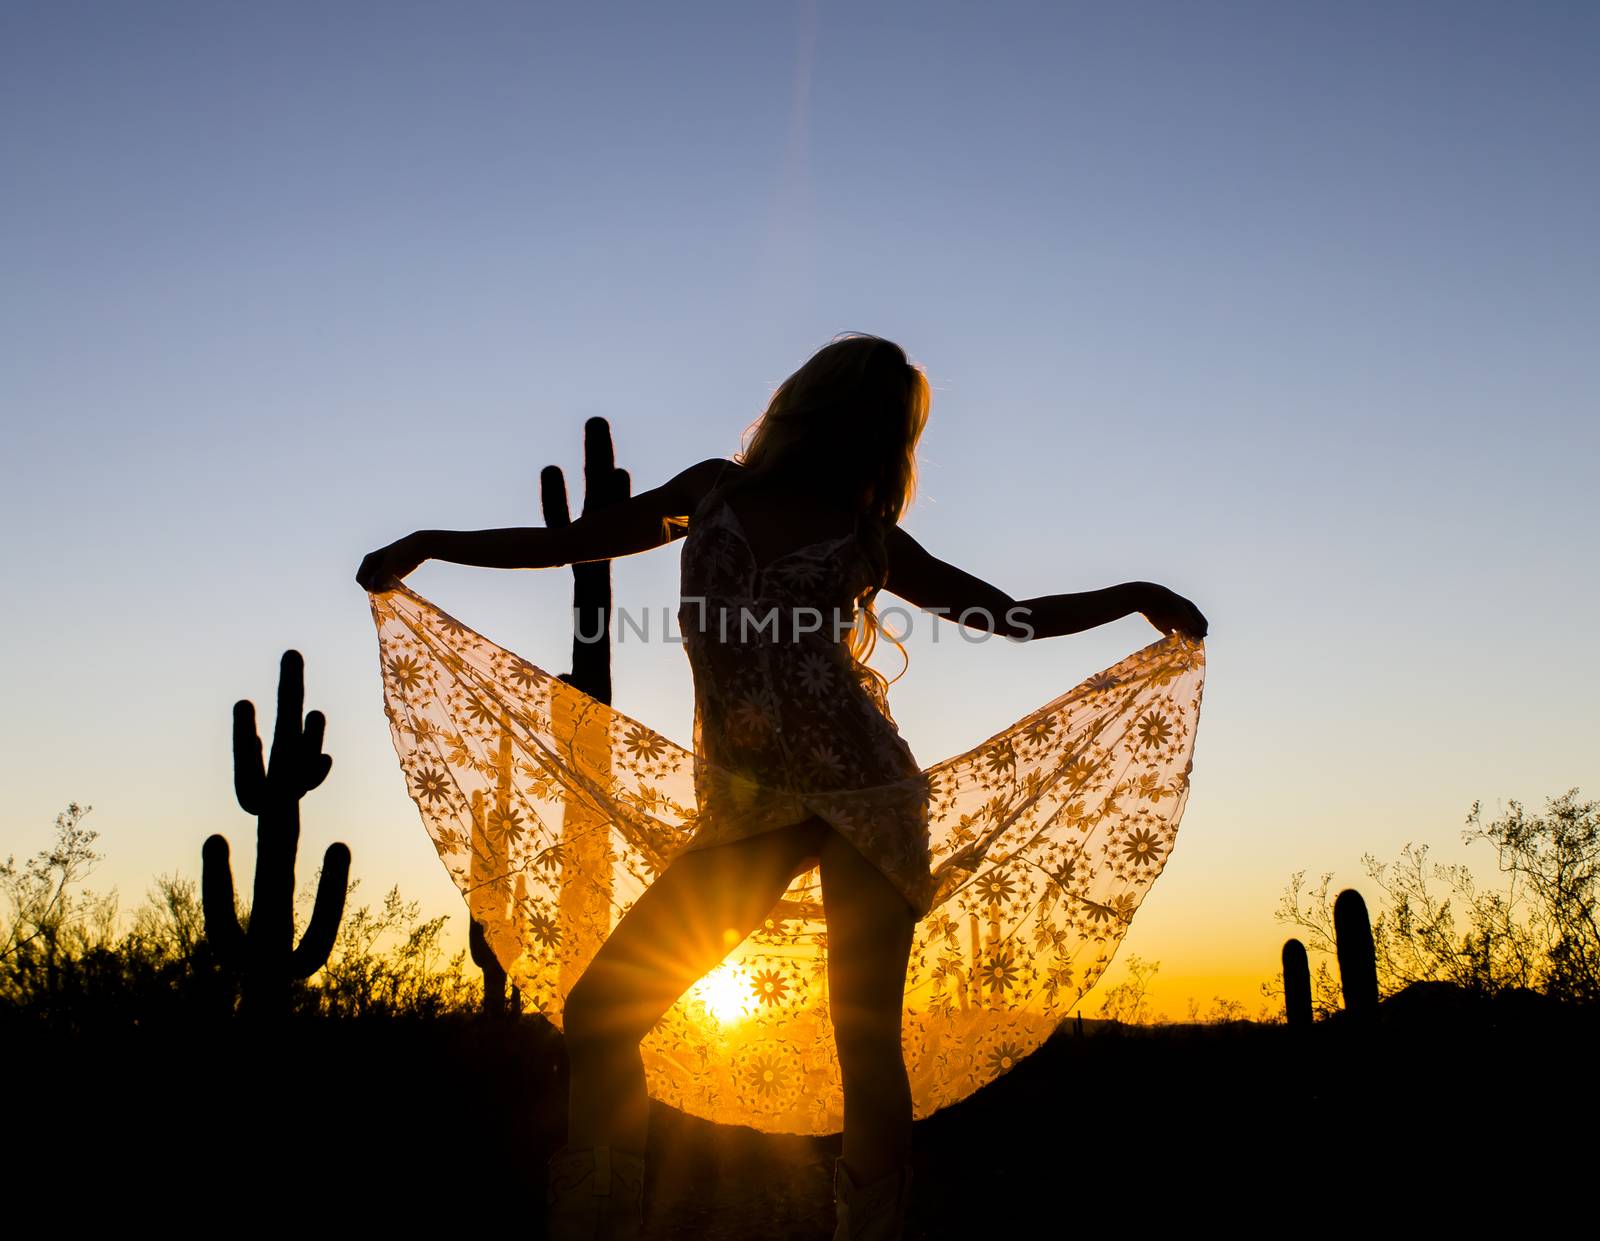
x,y
1288,306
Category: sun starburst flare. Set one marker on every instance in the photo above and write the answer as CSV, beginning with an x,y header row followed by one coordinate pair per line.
x,y
727,992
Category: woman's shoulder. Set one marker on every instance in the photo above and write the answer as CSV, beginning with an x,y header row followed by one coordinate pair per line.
x,y
704,479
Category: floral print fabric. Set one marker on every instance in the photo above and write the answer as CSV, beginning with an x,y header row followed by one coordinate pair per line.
x,y
784,727
1027,855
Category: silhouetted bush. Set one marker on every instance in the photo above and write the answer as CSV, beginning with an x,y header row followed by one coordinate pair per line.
x,y
408,977
1541,933
66,964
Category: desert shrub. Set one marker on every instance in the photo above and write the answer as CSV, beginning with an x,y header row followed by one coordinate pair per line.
x,y
1436,923
1128,1001
67,960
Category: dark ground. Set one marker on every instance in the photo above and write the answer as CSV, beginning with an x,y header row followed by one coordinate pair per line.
x,y
1442,1111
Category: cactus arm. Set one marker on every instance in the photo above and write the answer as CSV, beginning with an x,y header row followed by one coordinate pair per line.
x,y
1358,965
312,952
216,901
1296,985
553,497
314,764
494,974
478,945
249,775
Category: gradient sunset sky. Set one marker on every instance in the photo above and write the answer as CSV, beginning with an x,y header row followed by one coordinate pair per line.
x,y
1292,307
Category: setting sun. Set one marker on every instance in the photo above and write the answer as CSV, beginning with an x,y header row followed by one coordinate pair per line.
x,y
727,993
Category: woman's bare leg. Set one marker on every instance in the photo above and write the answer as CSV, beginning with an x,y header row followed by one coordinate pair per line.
x,y
870,929
699,909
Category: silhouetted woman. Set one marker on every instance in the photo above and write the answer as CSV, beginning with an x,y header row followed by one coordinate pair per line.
x,y
805,521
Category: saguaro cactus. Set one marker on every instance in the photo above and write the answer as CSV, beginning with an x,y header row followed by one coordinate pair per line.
x,y
1358,964
1296,985
264,956
585,900
603,485
586,839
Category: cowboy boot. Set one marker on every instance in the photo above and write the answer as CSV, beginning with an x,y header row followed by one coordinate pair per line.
x,y
871,1212
594,1193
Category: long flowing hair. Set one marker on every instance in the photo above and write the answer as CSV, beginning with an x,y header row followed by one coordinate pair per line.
x,y
847,424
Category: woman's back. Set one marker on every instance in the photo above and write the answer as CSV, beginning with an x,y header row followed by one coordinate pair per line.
x,y
785,725
779,518
779,513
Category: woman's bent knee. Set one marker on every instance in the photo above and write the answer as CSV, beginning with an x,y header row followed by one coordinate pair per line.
x,y
594,1018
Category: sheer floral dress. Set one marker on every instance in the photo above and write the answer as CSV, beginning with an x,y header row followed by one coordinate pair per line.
x,y
784,726
1025,857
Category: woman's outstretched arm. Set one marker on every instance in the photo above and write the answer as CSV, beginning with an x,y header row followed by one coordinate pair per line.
x,y
929,583
638,524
